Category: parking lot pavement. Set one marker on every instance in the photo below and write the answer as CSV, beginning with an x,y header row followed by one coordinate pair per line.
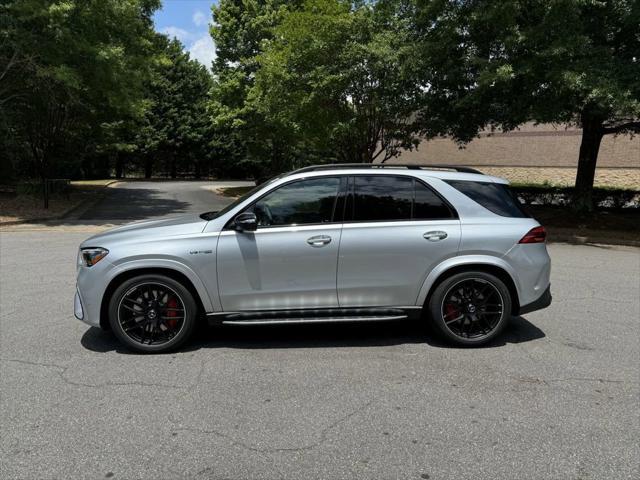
x,y
556,396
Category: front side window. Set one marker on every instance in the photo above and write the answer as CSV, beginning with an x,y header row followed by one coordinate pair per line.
x,y
305,202
388,198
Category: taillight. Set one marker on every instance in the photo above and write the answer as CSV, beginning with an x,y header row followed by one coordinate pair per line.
x,y
535,235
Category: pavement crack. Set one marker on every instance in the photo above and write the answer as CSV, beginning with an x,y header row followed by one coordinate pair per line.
x,y
35,364
590,379
322,438
62,371
572,379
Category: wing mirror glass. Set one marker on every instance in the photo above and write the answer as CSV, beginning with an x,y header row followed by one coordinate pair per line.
x,y
246,222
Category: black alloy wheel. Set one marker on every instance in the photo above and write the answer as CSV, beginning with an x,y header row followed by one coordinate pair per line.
x,y
471,308
152,313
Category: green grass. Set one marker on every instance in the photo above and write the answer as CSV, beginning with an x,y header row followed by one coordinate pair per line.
x,y
94,183
235,191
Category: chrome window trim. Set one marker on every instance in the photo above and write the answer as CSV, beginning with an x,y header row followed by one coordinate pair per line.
x,y
287,228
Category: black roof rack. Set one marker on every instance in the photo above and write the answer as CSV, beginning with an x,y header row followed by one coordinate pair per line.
x,y
436,166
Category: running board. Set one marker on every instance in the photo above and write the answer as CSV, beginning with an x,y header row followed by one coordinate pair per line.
x,y
320,315
284,321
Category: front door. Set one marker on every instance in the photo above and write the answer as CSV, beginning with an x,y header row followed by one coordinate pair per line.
x,y
290,261
396,230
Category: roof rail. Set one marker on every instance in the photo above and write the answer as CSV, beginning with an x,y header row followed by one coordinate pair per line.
x,y
435,166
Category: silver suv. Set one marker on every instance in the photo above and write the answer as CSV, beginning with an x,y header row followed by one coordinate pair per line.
x,y
331,243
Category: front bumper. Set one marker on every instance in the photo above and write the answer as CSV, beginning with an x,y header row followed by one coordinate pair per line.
x,y
78,311
543,301
90,287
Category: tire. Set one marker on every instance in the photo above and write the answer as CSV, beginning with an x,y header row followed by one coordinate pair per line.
x,y
152,313
470,308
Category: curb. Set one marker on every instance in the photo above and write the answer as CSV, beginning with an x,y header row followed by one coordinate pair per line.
x,y
590,238
86,204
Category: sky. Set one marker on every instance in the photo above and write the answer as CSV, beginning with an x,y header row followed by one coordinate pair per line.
x,y
188,21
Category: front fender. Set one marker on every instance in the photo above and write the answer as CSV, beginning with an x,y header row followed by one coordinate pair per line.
x,y
168,264
464,260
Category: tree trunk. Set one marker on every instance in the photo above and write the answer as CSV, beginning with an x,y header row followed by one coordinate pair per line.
x,y
44,175
119,165
45,191
592,133
198,170
148,165
174,169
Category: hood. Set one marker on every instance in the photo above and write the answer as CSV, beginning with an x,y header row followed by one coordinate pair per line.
x,y
147,230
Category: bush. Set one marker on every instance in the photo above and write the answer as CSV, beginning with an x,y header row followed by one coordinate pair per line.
x,y
60,186
603,198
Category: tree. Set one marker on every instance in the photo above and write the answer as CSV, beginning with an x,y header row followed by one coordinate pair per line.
x,y
175,128
76,65
240,30
482,63
334,74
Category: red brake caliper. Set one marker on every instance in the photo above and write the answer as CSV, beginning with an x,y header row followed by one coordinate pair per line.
x,y
451,311
172,322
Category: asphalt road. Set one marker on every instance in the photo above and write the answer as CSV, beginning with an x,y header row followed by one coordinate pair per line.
x,y
128,201
556,396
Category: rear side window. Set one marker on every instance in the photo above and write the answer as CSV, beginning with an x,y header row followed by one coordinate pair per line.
x,y
429,206
495,197
385,198
382,198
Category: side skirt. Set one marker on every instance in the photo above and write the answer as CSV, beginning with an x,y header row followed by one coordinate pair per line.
x,y
322,315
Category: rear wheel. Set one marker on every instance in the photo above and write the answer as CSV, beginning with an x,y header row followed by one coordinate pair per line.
x,y
470,308
152,313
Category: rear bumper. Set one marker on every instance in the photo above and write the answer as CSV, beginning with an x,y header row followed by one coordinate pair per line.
x,y
543,301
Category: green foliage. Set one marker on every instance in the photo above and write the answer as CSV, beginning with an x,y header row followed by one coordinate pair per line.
x,y
334,75
499,64
314,81
86,83
245,136
70,67
504,63
175,128
604,198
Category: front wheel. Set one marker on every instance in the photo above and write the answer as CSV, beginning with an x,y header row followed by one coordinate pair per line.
x,y
470,308
152,313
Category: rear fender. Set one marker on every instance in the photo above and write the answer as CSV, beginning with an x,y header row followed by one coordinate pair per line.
x,y
469,260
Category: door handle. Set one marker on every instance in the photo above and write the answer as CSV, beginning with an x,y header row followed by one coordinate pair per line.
x,y
319,240
435,236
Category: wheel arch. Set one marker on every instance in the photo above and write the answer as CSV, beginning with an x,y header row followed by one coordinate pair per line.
x,y
134,272
440,274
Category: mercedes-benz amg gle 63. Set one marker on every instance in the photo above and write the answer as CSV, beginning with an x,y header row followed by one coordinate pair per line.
x,y
332,243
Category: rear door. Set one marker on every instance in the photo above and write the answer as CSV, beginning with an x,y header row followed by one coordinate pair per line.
x,y
397,228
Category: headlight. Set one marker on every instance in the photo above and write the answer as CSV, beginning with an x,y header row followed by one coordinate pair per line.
x,y
91,256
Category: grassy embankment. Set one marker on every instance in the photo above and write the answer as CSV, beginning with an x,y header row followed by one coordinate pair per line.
x,y
23,208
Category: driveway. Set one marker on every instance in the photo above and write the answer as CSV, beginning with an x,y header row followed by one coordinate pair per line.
x,y
137,200
556,396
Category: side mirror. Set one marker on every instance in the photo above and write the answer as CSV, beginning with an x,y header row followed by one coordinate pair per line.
x,y
246,222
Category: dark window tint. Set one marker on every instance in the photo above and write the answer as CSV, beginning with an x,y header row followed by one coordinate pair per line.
x,y
495,197
379,198
298,203
427,205
382,198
